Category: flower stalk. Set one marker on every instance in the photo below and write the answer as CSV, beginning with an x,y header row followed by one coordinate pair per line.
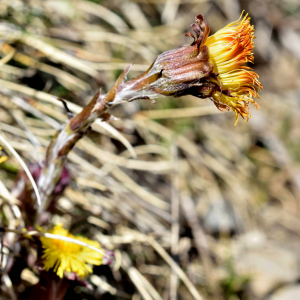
x,y
210,67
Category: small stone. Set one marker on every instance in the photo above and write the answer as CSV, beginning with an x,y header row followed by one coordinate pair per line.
x,y
269,265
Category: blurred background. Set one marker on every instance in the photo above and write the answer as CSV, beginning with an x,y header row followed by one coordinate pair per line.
x,y
221,200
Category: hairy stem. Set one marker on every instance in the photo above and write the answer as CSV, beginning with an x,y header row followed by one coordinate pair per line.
x,y
66,138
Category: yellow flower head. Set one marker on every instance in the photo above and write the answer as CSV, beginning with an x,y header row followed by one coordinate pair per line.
x,y
67,256
230,48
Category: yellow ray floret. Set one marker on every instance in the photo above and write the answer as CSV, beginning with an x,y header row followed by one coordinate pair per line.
x,y
230,48
68,257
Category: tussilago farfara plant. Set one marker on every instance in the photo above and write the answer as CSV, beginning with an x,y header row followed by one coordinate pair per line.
x,y
210,67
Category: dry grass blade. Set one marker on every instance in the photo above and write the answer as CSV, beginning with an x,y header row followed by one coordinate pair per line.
x,y
93,36
116,134
103,156
7,57
238,187
119,66
142,284
73,107
22,163
201,243
102,284
58,55
7,281
176,268
180,113
68,79
175,230
35,112
4,193
170,11
104,13
149,287
137,189
135,15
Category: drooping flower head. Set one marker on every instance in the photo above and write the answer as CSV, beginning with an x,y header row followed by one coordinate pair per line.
x,y
211,67
63,256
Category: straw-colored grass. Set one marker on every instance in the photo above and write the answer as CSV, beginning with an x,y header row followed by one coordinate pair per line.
x,y
174,189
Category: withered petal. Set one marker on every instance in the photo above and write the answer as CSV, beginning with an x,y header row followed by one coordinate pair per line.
x,y
201,29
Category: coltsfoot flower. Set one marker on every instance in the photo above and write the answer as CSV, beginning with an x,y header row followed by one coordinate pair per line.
x,y
63,256
211,67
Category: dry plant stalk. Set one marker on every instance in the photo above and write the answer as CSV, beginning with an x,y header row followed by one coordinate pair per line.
x,y
208,68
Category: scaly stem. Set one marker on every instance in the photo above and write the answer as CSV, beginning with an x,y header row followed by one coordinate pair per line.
x,y
66,138
182,71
